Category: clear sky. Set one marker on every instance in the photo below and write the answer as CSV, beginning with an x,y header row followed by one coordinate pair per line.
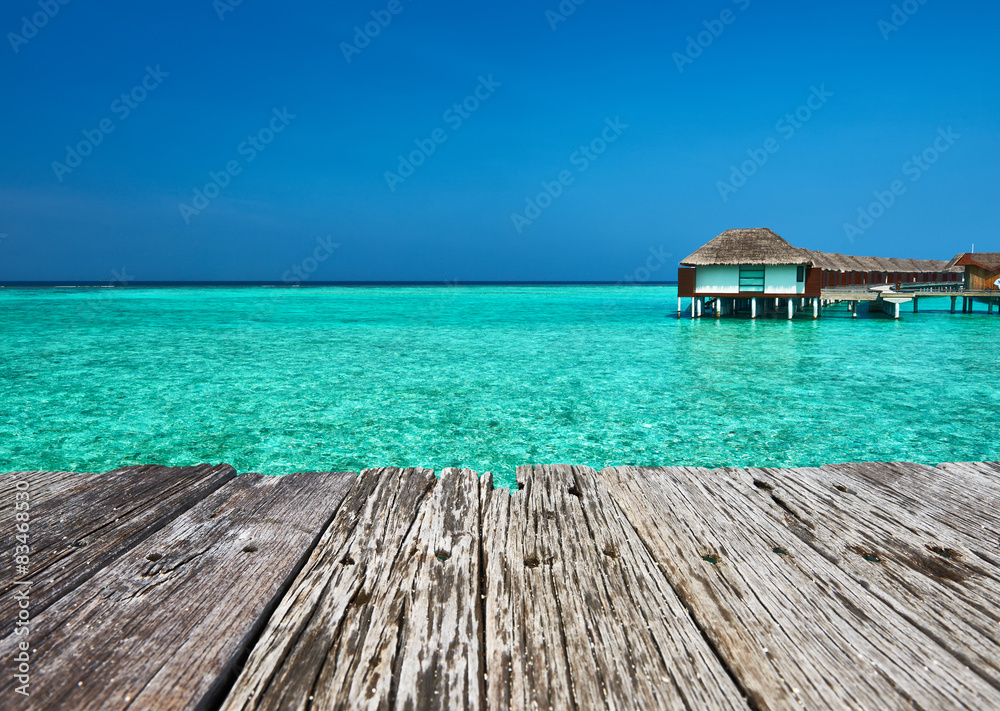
x,y
606,137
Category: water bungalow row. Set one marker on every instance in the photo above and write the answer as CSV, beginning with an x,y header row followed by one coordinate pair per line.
x,y
754,272
849,586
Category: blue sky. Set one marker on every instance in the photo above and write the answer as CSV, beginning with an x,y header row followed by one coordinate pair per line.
x,y
600,136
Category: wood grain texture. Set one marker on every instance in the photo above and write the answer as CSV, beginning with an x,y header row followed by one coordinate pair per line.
x,y
386,612
846,586
795,624
960,496
163,626
909,561
45,485
81,523
578,616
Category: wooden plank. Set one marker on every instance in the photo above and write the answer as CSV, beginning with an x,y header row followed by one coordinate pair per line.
x,y
42,484
913,564
386,612
954,495
48,484
45,485
80,524
441,663
164,626
793,627
577,613
978,485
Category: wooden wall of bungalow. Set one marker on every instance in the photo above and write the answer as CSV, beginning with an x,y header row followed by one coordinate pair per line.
x,y
978,278
982,269
686,281
818,279
687,286
832,279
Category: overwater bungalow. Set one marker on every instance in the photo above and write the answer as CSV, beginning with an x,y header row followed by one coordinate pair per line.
x,y
982,269
755,270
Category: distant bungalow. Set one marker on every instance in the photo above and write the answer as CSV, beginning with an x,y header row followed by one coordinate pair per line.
x,y
982,269
756,271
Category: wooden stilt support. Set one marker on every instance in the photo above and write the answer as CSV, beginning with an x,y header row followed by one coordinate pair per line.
x,y
791,309
680,310
753,308
953,300
914,304
815,308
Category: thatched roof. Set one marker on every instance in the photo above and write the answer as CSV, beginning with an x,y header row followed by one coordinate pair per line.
x,y
833,262
749,246
762,246
990,261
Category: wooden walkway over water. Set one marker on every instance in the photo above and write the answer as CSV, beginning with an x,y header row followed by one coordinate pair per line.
x,y
869,586
875,300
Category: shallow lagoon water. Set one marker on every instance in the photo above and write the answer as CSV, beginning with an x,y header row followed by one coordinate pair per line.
x,y
277,380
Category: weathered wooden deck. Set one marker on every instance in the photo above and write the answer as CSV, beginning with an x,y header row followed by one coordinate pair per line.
x,y
869,586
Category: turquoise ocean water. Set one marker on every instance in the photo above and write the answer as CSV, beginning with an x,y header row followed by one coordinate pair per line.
x,y
277,380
